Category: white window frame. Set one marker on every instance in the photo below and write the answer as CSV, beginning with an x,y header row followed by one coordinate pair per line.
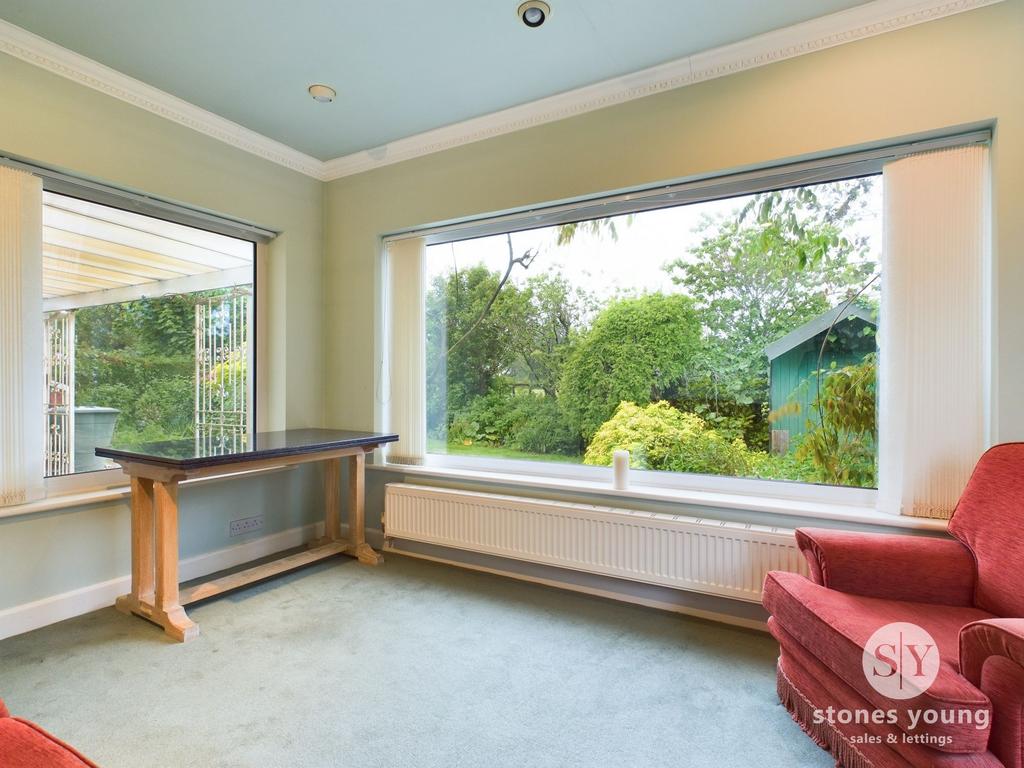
x,y
834,167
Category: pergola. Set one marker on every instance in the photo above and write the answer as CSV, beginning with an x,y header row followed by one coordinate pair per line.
x,y
94,255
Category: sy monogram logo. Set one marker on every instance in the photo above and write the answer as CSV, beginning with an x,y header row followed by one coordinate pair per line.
x,y
901,660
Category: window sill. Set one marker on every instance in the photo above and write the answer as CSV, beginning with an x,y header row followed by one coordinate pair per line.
x,y
814,510
103,495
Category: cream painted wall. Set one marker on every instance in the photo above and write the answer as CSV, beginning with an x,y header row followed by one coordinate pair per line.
x,y
961,70
53,121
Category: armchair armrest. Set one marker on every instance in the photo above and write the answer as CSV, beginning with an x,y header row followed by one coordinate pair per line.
x,y
914,568
992,658
981,640
3,709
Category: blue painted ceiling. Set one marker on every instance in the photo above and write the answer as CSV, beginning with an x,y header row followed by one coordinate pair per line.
x,y
399,67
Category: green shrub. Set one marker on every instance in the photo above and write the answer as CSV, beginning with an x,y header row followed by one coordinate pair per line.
x,y
487,419
789,466
543,427
730,419
526,422
168,403
660,437
116,395
842,442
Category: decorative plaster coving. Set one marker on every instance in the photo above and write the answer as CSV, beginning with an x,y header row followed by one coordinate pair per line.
x,y
863,21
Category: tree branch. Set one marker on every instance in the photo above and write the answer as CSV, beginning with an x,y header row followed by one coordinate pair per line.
x,y
524,261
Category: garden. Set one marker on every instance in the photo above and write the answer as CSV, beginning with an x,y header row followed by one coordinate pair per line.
x,y
139,357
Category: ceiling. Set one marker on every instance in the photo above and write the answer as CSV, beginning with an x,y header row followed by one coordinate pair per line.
x,y
400,68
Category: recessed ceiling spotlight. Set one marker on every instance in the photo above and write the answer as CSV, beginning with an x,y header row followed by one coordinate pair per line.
x,y
322,93
534,13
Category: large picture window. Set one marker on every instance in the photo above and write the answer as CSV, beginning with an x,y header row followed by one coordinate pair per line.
x,y
731,337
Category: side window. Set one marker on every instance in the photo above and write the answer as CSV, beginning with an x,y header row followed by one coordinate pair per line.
x,y
148,328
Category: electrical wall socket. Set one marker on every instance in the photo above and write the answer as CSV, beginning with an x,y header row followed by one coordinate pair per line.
x,y
245,525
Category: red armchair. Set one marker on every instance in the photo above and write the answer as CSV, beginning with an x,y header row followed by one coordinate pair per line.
x,y
967,593
26,745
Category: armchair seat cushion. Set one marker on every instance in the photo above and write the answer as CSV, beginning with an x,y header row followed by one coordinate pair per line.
x,y
835,626
814,686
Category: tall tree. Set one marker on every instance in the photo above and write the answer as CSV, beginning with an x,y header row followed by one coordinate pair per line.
x,y
785,258
549,317
478,321
469,308
637,350
526,335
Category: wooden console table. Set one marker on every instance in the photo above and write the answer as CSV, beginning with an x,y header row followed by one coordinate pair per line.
x,y
156,469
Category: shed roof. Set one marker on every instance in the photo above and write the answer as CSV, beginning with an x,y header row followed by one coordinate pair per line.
x,y
819,324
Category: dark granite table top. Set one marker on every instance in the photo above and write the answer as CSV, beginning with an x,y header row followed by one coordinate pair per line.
x,y
193,453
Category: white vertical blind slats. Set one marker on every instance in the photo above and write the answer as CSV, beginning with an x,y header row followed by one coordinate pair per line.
x,y
933,334
22,423
406,264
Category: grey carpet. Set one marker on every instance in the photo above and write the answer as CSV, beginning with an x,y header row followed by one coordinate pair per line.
x,y
410,664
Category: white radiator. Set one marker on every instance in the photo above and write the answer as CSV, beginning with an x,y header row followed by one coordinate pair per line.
x,y
710,556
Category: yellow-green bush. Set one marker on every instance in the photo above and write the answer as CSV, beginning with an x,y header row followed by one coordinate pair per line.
x,y
661,437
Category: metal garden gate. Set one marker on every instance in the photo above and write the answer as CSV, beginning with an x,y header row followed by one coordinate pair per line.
x,y
222,370
59,392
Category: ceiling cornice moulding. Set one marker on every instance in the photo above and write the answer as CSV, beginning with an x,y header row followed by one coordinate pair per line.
x,y
863,21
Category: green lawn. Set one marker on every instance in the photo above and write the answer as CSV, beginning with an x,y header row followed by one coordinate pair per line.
x,y
497,452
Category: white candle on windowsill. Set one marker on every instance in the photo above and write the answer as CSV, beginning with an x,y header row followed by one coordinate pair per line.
x,y
620,470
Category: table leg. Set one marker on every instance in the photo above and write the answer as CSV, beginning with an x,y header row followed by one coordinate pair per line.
x,y
140,600
332,500
167,610
357,512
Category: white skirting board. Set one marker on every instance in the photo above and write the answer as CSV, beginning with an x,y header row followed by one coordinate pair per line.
x,y
49,610
737,613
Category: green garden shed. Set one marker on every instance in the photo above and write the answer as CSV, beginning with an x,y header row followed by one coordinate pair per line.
x,y
793,360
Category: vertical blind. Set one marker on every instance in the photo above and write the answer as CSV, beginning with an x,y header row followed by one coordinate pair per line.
x,y
406,363
933,335
21,337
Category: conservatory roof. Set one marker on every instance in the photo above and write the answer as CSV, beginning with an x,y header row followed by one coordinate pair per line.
x,y
94,254
821,323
